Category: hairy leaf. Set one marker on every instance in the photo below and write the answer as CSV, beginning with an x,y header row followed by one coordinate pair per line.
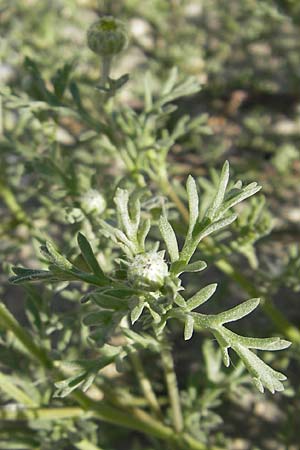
x,y
201,297
169,237
89,256
193,202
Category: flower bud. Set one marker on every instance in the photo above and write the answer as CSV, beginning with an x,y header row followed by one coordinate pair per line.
x,y
93,202
73,215
107,37
148,271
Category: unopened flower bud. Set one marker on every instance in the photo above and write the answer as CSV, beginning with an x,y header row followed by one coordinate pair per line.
x,y
107,37
73,215
148,271
93,202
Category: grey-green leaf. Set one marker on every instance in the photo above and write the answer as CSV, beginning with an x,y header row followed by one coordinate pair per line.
x,y
169,237
137,311
193,200
215,226
217,202
271,344
107,301
101,318
188,327
263,375
196,266
89,256
143,231
26,275
238,311
246,192
53,256
179,300
201,297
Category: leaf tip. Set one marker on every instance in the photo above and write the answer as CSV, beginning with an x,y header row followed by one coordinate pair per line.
x,y
226,165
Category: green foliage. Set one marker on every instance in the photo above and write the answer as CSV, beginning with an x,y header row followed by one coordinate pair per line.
x,y
96,163
166,302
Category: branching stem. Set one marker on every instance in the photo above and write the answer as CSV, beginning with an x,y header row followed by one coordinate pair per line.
x,y
133,418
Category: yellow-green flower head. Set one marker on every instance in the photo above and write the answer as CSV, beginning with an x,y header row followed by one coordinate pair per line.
x,y
107,37
148,271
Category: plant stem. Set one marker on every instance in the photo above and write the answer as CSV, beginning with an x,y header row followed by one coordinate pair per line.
x,y
133,418
13,391
12,204
145,384
171,380
168,189
86,445
1,116
7,321
105,69
40,413
282,324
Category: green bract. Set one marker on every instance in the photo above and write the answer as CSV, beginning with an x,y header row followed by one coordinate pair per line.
x,y
107,37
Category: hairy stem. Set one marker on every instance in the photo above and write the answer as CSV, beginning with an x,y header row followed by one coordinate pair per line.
x,y
40,413
168,189
105,69
13,391
8,322
171,380
145,385
133,418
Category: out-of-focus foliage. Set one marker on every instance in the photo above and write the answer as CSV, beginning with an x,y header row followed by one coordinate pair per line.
x,y
61,144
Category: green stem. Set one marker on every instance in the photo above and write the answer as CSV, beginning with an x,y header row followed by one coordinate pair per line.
x,y
168,189
12,204
145,384
7,321
86,445
1,116
133,418
282,324
13,391
105,69
40,413
171,381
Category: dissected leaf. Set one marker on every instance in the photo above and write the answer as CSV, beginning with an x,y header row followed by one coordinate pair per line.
x,y
238,311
